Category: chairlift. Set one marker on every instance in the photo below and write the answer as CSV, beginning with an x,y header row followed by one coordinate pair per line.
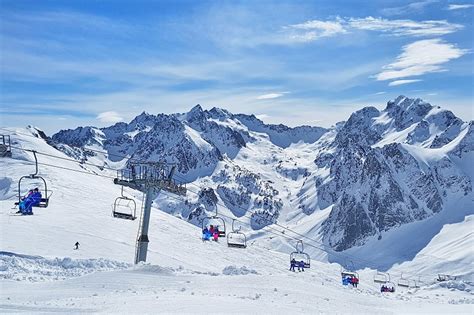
x,y
124,207
415,283
215,221
389,285
443,277
349,271
5,146
381,277
403,282
45,199
300,255
236,238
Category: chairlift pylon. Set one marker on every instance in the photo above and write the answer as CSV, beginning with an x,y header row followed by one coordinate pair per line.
x,y
216,221
124,207
45,198
235,238
300,255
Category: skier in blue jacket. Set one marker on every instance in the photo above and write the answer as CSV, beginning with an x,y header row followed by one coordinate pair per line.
x,y
293,264
301,265
206,234
29,201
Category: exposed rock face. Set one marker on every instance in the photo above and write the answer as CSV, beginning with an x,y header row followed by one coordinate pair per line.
x,y
195,141
282,135
378,170
376,185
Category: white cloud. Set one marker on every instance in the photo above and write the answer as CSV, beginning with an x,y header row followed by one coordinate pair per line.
x,y
262,116
400,82
109,117
380,93
270,96
315,29
460,6
421,57
404,27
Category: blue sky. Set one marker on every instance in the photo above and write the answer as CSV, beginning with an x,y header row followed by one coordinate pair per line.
x,y
70,63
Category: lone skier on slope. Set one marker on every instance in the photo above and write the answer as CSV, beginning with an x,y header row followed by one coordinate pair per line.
x,y
77,245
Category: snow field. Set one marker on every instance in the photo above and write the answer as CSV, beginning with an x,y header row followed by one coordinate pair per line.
x,y
185,275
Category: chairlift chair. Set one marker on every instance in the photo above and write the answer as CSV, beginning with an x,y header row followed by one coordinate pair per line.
x,y
414,284
381,277
389,285
124,207
443,277
403,282
45,199
348,272
300,255
216,221
5,146
235,238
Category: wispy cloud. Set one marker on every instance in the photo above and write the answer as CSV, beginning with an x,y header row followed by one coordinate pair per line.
x,y
411,7
459,6
419,58
109,117
262,116
316,29
400,82
404,27
271,96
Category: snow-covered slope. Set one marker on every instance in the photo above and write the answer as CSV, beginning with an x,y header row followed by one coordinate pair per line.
x,y
185,275
374,173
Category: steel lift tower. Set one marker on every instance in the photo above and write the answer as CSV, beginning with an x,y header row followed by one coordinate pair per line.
x,y
150,178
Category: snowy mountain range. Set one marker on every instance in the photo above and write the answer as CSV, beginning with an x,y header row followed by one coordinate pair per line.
x,y
378,171
387,191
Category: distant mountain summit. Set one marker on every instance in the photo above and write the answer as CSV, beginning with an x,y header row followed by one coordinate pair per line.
x,y
376,171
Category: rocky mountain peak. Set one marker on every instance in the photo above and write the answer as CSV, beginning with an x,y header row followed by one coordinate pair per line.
x,y
143,119
196,113
220,113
